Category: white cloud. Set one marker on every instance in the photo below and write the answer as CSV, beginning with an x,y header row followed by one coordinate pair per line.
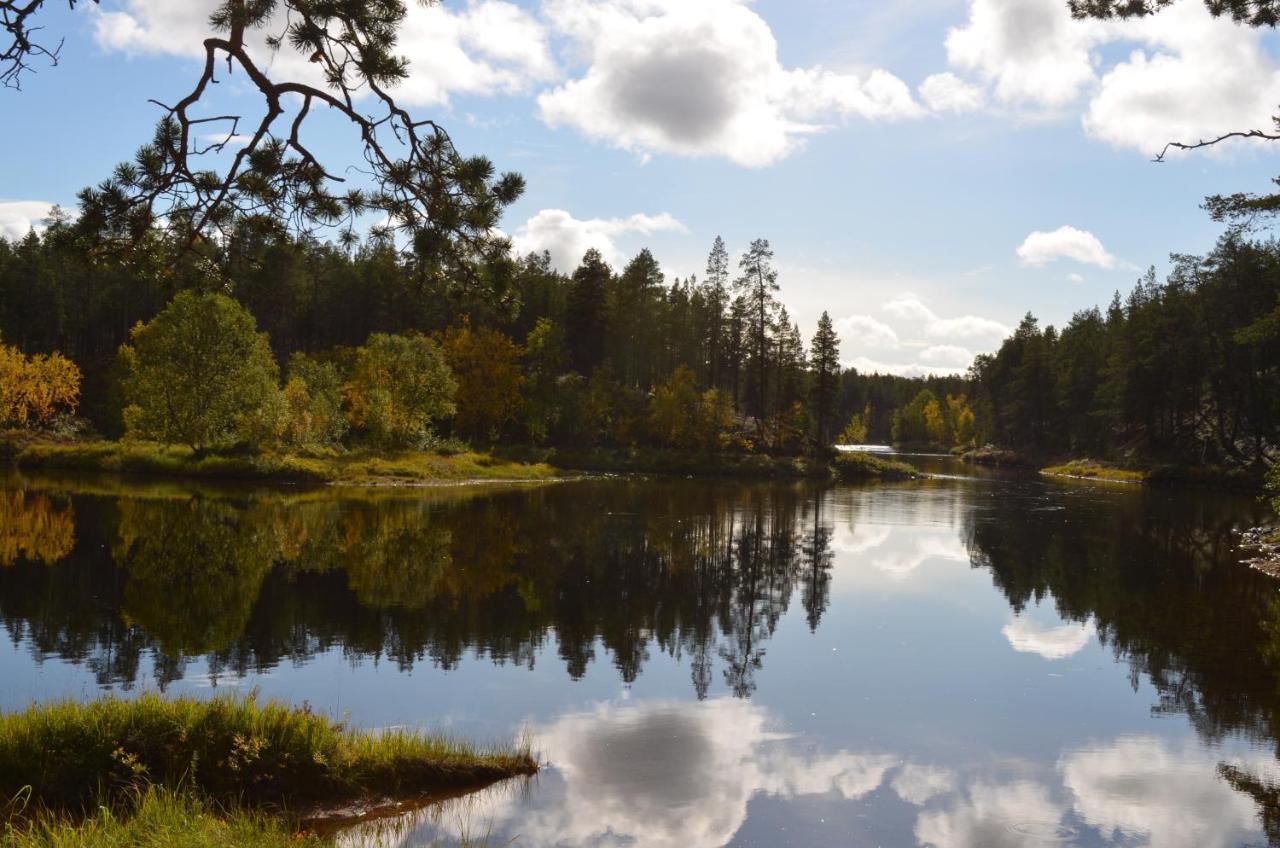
x,y
866,332
702,79
953,355
1066,242
566,238
488,47
946,92
19,217
1181,75
1030,50
867,365
909,307
1198,77
1075,279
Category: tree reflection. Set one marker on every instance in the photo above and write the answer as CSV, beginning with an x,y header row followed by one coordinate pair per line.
x,y
704,572
33,527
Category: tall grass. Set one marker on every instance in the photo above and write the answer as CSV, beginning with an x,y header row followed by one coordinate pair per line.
x,y
155,818
233,750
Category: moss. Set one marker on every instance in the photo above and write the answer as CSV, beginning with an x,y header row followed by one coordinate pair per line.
x,y
73,755
854,466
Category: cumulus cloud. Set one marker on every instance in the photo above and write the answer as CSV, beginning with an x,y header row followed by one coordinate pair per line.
x,y
946,92
952,355
486,47
1197,77
19,217
909,307
1030,50
702,79
865,331
567,238
1178,76
1041,248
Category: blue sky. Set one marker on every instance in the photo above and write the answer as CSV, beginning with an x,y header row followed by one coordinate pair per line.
x,y
926,170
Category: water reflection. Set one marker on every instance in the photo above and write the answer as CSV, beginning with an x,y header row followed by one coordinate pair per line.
x,y
683,775
248,581
609,581
33,527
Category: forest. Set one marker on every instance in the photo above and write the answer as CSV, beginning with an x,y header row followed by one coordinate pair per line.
x,y
1186,370
318,344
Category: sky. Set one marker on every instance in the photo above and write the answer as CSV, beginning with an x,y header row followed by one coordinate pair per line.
x,y
927,171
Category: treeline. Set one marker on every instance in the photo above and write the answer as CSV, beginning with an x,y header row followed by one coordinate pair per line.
x,y
594,358
1185,370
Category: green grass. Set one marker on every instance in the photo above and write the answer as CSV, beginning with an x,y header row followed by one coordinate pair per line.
x,y
156,818
77,755
354,467
1087,469
854,466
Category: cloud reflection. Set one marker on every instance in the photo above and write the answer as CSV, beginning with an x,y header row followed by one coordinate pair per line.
x,y
682,775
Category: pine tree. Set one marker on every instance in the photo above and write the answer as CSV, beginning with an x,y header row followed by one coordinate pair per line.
x,y
824,361
757,286
716,294
587,319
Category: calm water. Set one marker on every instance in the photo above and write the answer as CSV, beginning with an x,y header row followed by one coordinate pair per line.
x,y
963,661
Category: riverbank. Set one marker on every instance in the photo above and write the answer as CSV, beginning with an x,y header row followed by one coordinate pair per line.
x,y
1165,475
424,468
359,468
201,763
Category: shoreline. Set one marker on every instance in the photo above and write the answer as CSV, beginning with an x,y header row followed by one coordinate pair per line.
x,y
427,469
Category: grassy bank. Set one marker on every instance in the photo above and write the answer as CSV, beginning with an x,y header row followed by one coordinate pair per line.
x,y
1086,469
352,467
1165,476
854,466
74,756
156,818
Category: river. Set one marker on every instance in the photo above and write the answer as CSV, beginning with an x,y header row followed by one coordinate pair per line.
x,y
974,659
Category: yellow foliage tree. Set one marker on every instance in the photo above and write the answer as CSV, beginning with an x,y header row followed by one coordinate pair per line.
x,y
963,421
33,389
